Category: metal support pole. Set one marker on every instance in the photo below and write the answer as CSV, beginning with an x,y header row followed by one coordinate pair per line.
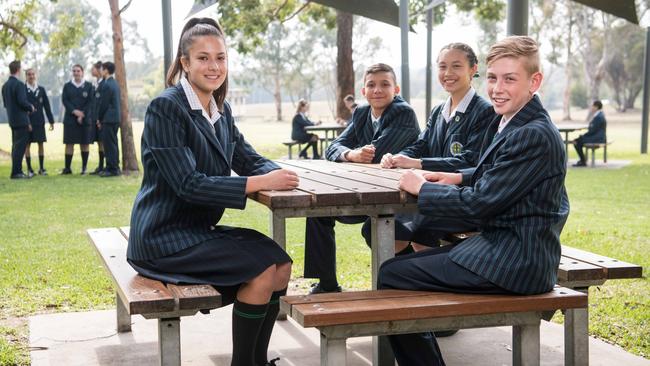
x,y
123,316
404,27
429,63
278,229
517,17
169,342
167,34
646,94
383,243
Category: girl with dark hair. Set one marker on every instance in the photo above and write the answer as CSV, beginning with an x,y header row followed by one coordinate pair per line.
x,y
190,144
77,98
298,133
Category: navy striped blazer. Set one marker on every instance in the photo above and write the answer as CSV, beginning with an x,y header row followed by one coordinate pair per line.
x,y
77,98
108,110
517,192
41,103
398,127
187,182
448,147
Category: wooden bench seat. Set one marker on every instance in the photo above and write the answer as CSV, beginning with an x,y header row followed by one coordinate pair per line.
x,y
339,316
290,144
592,146
137,295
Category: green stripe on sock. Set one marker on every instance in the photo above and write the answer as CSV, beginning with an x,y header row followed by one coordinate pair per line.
x,y
247,315
273,302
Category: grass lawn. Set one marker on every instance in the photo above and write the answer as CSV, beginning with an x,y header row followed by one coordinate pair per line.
x,y
47,265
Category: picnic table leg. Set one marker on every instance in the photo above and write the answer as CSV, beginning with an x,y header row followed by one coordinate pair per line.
x,y
278,230
123,317
169,341
383,248
332,351
576,335
566,144
525,345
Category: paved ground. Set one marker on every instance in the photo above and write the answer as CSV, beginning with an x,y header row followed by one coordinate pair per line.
x,y
89,339
610,164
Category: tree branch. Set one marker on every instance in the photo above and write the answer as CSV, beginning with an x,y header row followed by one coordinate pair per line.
x,y
125,7
16,30
296,12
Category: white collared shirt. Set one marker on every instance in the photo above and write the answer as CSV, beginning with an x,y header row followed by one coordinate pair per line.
x,y
375,122
78,85
195,103
504,121
460,108
32,88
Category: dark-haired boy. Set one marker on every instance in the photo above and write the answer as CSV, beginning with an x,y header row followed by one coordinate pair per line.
x,y
96,72
387,124
597,132
108,119
516,191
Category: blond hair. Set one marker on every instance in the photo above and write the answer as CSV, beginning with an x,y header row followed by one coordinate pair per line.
x,y
517,47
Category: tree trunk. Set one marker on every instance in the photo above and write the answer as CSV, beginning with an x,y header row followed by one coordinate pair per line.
x,y
129,158
566,103
344,63
277,95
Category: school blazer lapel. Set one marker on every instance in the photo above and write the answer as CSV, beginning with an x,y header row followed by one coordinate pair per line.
x,y
519,119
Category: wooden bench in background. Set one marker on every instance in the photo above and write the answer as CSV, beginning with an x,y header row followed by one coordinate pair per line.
x,y
339,316
137,295
579,270
593,146
290,144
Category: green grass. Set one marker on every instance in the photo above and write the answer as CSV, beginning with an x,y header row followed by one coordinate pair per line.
x,y
47,264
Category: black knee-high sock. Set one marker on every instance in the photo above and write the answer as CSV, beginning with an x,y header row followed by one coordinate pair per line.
x,y
267,327
247,319
314,149
101,160
28,159
41,159
68,161
304,150
84,160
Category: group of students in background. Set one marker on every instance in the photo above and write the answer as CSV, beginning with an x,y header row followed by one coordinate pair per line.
x,y
496,167
91,114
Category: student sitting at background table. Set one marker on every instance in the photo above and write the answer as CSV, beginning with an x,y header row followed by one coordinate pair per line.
x,y
597,132
298,133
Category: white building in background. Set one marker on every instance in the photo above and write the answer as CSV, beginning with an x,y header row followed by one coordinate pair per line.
x,y
237,99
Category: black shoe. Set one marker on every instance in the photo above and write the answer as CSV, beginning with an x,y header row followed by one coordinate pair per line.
x,y
66,171
445,333
42,172
580,163
302,155
98,170
272,362
20,176
316,157
30,173
107,173
317,289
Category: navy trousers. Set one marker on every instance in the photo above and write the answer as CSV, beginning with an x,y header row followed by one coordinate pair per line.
x,y
320,247
19,140
429,270
111,149
425,230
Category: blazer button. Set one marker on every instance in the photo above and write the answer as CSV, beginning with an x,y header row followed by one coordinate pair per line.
x,y
211,227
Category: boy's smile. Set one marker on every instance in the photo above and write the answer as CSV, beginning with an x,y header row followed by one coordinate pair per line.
x,y
509,85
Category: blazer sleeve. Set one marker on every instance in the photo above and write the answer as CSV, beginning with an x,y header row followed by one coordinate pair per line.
x,y
470,155
21,98
522,163
65,99
302,121
104,102
401,130
165,135
46,106
420,147
347,140
246,161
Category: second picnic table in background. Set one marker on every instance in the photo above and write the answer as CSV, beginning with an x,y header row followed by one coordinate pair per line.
x,y
568,127
333,128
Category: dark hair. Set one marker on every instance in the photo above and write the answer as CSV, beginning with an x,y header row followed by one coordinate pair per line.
x,y
349,98
14,67
98,65
197,27
373,69
109,66
301,104
598,104
469,52
79,66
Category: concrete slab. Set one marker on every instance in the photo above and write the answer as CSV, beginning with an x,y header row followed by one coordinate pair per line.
x,y
89,338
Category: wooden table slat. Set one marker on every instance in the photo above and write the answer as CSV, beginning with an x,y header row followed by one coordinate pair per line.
x,y
335,176
433,305
143,295
614,268
195,296
571,269
283,199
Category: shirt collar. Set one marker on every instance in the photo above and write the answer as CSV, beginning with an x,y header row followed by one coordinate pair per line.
x,y
77,85
505,121
195,103
31,87
460,108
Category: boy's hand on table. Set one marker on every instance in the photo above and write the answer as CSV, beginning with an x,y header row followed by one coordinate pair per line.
x,y
444,178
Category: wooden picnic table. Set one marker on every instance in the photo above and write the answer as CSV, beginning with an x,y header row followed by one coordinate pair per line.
x,y
344,189
568,127
333,128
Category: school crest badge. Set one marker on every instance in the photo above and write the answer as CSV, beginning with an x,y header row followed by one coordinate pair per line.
x,y
40,100
456,148
97,95
85,94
